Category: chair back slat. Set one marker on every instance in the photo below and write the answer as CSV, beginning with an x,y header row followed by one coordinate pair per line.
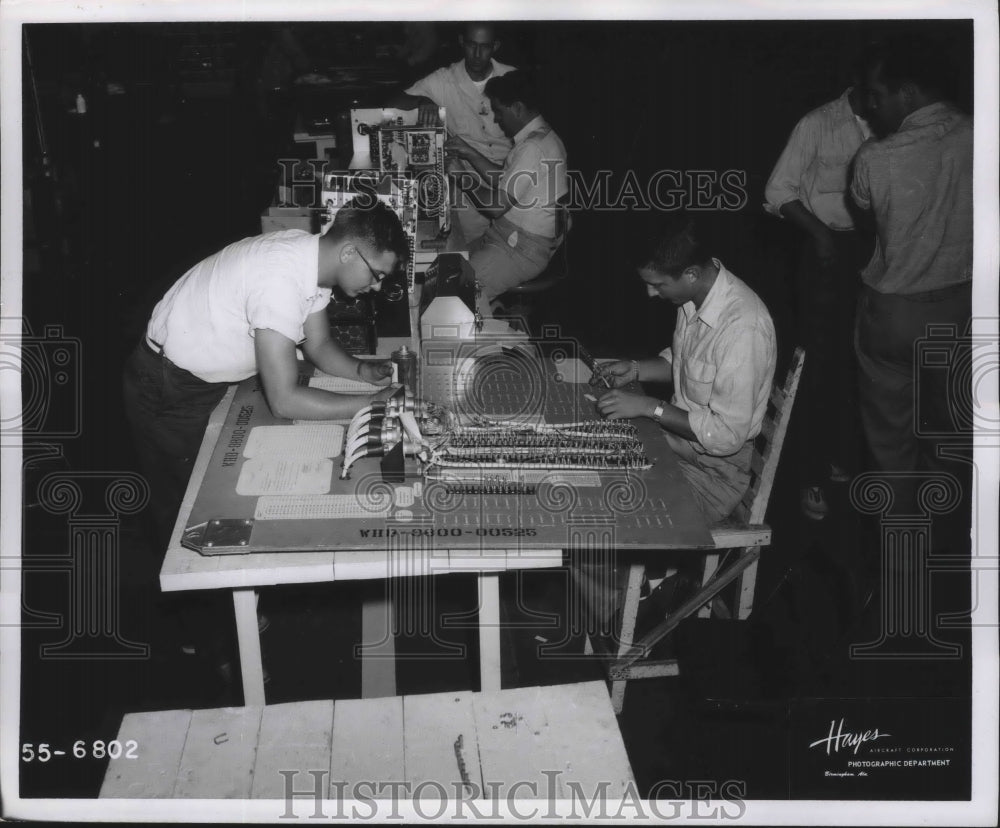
x,y
767,430
777,398
767,446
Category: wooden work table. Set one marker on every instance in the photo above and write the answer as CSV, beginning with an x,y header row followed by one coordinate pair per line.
x,y
418,536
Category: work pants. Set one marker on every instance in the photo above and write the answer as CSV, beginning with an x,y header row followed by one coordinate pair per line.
x,y
827,402
718,483
906,407
168,409
506,256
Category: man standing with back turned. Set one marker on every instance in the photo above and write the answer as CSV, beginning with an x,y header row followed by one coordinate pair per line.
x,y
917,184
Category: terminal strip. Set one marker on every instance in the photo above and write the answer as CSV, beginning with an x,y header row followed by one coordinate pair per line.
x,y
589,445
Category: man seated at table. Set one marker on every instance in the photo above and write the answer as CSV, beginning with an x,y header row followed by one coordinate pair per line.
x,y
243,311
459,88
520,196
721,364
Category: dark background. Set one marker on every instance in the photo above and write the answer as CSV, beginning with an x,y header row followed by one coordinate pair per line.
x,y
150,181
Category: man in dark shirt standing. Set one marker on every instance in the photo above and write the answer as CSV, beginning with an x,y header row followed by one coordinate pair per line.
x,y
917,184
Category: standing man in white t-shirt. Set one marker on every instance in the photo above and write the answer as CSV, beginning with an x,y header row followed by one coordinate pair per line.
x,y
240,312
460,89
243,311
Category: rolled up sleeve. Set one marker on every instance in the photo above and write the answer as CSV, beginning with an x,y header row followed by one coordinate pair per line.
x,y
723,425
785,184
429,87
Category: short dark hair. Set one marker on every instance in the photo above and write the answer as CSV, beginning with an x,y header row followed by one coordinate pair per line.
x,y
518,85
366,219
671,246
921,59
481,23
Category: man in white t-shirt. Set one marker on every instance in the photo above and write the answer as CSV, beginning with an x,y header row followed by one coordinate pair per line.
x,y
460,89
243,311
521,196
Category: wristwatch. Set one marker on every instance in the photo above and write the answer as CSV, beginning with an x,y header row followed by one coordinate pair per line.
x,y
658,411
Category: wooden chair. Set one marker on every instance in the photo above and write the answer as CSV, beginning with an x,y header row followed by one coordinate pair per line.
x,y
741,536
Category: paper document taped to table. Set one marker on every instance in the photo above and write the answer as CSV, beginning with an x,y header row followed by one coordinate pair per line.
x,y
322,507
572,370
342,385
275,475
306,441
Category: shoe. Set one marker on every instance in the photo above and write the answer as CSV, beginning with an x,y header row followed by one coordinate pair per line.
x,y
838,474
650,585
813,502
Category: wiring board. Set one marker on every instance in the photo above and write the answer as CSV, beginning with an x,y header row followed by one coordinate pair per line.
x,y
648,506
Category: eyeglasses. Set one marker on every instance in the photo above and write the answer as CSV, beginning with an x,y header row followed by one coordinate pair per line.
x,y
392,290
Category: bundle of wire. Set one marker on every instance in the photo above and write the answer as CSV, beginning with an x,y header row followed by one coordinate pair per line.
x,y
588,445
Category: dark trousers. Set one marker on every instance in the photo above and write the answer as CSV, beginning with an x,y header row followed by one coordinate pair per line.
x,y
827,299
906,411
168,409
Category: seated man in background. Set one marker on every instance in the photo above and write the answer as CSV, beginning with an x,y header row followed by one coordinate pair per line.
x,y
459,88
521,196
721,363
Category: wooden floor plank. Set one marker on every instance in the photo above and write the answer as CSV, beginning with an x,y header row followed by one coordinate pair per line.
x,y
159,743
367,744
294,737
578,715
512,731
219,754
432,725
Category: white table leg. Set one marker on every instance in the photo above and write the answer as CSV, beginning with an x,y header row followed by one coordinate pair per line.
x,y
251,665
378,648
489,631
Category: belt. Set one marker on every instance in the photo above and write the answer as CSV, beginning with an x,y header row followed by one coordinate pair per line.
x,y
936,295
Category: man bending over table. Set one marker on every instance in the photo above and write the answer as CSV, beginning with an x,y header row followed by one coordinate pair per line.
x,y
241,312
